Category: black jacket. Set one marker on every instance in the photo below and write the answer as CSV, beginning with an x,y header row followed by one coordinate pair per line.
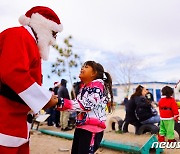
x,y
130,116
143,108
63,92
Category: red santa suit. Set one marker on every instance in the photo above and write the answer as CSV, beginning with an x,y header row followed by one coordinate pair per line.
x,y
168,113
168,108
20,70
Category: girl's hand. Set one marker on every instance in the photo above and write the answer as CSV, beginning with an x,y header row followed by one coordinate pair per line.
x,y
52,102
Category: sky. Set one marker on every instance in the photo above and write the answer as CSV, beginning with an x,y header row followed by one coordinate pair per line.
x,y
106,30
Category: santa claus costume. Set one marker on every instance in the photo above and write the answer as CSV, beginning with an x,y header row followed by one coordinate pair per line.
x,y
21,50
168,114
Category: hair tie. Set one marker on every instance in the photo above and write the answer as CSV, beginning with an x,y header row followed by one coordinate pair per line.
x,y
104,76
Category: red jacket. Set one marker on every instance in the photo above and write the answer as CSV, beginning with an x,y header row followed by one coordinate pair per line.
x,y
168,108
20,69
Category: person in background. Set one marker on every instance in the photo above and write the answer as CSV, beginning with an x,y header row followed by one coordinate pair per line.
x,y
56,113
76,88
50,111
169,114
125,101
56,87
64,118
130,106
51,90
144,111
149,96
21,91
91,102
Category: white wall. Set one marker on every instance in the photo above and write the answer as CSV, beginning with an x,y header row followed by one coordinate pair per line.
x,y
149,85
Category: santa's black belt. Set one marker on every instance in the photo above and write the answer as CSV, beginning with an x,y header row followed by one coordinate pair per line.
x,y
30,118
166,108
9,93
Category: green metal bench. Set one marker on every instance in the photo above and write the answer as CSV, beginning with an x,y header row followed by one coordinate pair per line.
x,y
145,149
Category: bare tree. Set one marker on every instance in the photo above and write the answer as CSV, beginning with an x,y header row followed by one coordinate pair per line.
x,y
125,70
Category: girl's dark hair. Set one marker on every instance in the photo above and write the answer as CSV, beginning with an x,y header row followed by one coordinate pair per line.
x,y
138,91
167,91
106,77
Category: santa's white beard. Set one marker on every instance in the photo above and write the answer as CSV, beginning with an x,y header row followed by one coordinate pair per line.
x,y
45,39
43,28
44,35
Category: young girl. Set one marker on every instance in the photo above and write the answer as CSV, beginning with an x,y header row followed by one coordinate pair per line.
x,y
91,103
169,113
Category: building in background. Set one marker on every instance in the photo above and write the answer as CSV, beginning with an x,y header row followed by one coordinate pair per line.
x,y
120,90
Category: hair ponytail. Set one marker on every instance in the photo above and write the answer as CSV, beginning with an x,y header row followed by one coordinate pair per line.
x,y
108,87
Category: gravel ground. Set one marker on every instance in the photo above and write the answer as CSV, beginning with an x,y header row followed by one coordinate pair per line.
x,y
46,144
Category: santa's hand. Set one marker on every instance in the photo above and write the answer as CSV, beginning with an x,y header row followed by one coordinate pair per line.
x,y
52,102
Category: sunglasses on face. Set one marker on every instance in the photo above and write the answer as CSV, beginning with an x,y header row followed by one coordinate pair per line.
x,y
54,34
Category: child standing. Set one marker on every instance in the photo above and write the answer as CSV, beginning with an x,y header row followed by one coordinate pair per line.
x,y
169,114
91,103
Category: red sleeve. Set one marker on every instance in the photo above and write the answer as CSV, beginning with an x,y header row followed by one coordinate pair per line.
x,y
20,67
175,108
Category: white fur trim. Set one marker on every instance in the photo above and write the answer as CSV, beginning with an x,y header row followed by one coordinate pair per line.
x,y
23,20
30,31
43,27
13,141
36,17
36,97
167,118
46,23
60,28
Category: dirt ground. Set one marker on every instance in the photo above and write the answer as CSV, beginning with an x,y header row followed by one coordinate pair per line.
x,y
46,144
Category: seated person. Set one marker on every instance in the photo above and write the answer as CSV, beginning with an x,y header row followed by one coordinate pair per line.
x,y
138,110
145,112
130,117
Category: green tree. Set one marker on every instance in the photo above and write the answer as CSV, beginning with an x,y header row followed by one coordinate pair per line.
x,y
66,60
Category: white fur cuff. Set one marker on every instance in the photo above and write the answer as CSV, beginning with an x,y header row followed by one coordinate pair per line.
x,y
36,17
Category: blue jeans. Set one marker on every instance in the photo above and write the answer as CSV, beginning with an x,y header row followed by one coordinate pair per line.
x,y
152,120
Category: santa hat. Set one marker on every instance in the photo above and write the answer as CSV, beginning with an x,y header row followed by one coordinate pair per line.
x,y
56,84
42,15
44,22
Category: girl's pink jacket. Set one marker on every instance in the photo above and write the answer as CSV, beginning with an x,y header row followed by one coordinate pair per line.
x,y
90,104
